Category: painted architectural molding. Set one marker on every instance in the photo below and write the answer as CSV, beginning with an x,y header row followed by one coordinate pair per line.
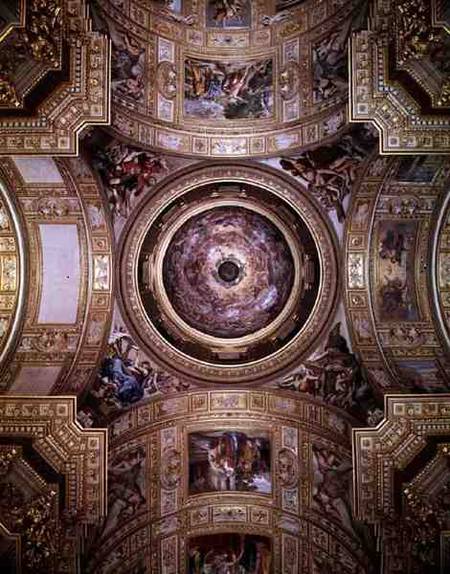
x,y
390,275
67,287
286,454
200,352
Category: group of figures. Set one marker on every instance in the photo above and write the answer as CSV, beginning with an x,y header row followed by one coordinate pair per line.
x,y
127,173
397,241
229,461
125,378
330,66
128,66
228,91
334,376
229,554
330,171
228,13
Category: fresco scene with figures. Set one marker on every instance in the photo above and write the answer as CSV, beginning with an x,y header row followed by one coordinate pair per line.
x,y
228,91
229,460
246,553
224,287
228,13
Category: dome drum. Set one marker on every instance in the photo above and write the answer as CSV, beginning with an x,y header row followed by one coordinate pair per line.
x,y
228,271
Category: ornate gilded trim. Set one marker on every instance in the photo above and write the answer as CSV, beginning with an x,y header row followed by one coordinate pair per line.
x,y
78,454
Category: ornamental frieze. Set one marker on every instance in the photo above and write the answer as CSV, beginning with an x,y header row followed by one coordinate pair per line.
x,y
182,222
229,472
67,245
390,275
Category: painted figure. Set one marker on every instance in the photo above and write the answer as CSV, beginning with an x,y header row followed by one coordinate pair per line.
x,y
228,13
217,90
229,461
395,269
127,173
333,375
229,554
330,171
126,378
126,488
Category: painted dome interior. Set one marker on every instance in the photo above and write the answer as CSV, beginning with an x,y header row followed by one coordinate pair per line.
x,y
224,287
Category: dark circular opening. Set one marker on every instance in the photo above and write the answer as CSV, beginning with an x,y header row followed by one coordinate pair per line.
x,y
228,271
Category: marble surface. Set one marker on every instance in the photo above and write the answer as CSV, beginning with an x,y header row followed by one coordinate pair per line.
x,y
228,272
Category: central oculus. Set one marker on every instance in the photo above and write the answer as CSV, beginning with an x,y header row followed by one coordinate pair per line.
x,y
228,271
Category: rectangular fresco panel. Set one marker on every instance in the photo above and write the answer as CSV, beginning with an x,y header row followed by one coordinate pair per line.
x,y
229,552
228,91
228,13
229,461
396,295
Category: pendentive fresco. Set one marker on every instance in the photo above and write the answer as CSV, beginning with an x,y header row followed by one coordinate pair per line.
x,y
224,287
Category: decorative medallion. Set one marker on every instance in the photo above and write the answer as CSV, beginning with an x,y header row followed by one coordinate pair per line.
x,y
228,273
287,468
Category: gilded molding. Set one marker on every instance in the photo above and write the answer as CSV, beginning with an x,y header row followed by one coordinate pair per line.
x,y
172,46
77,348
405,34
142,327
12,274
388,284
81,100
78,454
379,452
154,440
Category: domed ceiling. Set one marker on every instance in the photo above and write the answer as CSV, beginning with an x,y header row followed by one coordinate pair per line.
x,y
234,267
224,307
252,255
